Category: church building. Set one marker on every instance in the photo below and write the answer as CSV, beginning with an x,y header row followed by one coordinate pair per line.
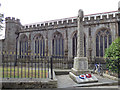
x,y
59,37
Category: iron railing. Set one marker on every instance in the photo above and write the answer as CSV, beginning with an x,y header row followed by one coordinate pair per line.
x,y
32,66
25,67
62,62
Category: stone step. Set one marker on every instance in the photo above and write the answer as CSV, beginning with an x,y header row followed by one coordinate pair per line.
x,y
62,72
97,84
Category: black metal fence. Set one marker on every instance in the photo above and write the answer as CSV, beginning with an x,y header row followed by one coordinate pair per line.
x,y
32,66
62,62
38,67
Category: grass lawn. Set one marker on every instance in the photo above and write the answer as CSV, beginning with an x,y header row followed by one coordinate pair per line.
x,y
24,72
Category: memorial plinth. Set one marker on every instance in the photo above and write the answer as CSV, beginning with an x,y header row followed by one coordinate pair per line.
x,y
80,69
80,66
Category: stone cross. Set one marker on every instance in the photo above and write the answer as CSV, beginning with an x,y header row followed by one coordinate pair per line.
x,y
80,62
80,40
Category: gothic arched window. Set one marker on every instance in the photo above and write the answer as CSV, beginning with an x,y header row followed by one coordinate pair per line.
x,y
39,45
57,44
103,40
74,45
23,45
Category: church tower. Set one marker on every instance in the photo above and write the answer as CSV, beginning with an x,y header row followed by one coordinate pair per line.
x,y
11,28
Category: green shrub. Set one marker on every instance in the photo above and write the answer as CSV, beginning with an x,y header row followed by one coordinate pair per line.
x,y
112,56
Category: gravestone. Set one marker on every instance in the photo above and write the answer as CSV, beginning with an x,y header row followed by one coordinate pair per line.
x,y
80,62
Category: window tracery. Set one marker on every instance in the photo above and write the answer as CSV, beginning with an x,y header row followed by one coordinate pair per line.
x,y
23,45
39,45
103,40
74,45
57,44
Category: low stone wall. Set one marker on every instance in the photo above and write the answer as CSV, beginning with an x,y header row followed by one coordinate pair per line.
x,y
29,83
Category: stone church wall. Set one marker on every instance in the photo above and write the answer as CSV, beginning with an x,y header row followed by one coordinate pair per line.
x,y
67,27
1,47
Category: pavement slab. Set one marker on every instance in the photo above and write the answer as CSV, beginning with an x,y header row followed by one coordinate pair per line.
x,y
64,81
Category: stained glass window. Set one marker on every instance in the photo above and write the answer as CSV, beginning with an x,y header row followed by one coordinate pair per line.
x,y
39,45
23,45
103,40
101,46
57,44
97,45
110,39
74,45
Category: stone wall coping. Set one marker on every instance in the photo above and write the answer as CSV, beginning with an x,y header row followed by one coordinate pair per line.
x,y
72,20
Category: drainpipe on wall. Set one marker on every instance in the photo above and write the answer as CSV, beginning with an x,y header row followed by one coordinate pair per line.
x,y
119,19
16,48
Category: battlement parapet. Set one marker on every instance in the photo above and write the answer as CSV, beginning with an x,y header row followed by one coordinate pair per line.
x,y
102,16
73,20
12,20
67,21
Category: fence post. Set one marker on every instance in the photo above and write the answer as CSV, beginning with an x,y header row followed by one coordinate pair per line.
x,y
51,62
3,64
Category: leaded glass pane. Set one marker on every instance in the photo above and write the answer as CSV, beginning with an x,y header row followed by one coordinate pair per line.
x,y
20,47
107,32
59,47
103,30
53,47
56,47
99,33
23,45
97,46
110,39
74,45
106,36
39,45
105,41
101,46
43,47
62,47
58,44
73,50
74,41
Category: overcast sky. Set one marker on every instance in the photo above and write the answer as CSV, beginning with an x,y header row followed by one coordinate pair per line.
x,y
31,11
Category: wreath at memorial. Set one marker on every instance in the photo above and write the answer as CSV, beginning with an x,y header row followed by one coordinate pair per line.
x,y
83,76
88,76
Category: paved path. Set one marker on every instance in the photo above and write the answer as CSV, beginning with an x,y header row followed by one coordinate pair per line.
x,y
64,81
